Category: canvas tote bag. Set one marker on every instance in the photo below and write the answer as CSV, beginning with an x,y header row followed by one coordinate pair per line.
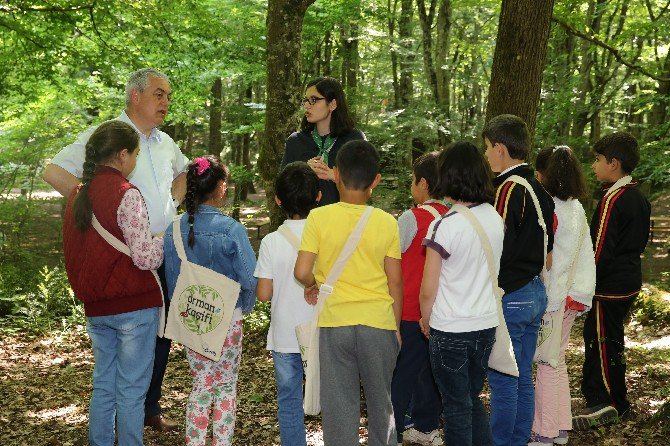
x,y
551,327
308,333
123,248
203,303
502,357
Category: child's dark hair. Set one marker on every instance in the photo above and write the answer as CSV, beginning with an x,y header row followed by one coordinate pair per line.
x,y
464,174
202,178
358,164
106,142
622,146
341,121
511,131
425,167
562,173
297,187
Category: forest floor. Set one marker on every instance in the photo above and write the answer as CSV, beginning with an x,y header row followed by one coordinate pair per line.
x,y
45,380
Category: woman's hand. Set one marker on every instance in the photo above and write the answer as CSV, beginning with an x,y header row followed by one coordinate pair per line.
x,y
321,169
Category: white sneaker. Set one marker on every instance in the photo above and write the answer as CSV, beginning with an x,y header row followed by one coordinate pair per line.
x,y
430,439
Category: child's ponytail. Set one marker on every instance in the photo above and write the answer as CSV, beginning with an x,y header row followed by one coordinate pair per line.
x,y
106,142
202,178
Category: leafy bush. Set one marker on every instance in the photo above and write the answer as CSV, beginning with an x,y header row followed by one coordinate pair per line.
x,y
259,320
651,309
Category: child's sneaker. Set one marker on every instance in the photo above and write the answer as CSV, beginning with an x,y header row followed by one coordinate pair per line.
x,y
595,416
430,439
562,437
539,440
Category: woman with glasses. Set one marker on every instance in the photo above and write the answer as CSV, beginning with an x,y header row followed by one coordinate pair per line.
x,y
326,126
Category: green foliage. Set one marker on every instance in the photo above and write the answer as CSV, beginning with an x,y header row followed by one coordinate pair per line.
x,y
652,308
259,320
654,166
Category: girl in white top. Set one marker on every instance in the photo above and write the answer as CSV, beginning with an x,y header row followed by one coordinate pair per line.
x,y
458,305
559,170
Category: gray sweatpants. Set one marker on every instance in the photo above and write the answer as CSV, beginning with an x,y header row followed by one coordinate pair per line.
x,y
351,356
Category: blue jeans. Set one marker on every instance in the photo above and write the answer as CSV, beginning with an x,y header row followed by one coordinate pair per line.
x,y
288,374
460,362
513,399
123,348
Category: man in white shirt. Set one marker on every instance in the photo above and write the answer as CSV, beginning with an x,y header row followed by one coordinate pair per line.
x,y
160,177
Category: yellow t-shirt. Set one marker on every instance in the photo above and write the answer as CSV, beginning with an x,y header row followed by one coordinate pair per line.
x,y
361,294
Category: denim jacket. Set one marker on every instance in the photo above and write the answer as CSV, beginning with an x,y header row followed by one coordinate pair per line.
x,y
221,244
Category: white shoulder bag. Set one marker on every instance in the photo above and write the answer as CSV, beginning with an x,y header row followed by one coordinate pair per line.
x,y
502,357
203,303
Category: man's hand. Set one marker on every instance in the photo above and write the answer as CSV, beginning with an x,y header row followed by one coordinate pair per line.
x,y
321,169
311,294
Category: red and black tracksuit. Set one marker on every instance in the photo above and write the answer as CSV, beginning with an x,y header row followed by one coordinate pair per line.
x,y
619,231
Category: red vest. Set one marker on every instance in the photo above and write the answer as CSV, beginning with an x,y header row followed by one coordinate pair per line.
x,y
105,279
413,261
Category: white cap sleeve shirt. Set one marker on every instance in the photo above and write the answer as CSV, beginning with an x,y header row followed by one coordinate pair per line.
x,y
276,260
465,301
158,164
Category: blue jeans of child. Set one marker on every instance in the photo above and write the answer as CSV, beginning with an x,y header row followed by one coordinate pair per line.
x,y
460,362
288,374
123,348
513,399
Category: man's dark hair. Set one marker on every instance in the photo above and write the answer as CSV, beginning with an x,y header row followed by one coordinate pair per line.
x,y
464,174
562,173
358,164
425,166
511,131
297,187
622,146
341,121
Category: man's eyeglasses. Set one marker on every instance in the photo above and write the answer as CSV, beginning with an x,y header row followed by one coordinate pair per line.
x,y
312,100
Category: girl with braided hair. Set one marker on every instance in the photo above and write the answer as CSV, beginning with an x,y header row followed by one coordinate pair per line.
x,y
120,293
219,243
571,292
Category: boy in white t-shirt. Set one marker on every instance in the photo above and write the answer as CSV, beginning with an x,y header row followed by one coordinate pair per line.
x,y
297,193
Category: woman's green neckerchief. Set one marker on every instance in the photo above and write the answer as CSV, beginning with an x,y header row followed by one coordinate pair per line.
x,y
448,204
324,144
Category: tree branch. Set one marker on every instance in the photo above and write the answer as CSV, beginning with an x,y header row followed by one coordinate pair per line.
x,y
616,53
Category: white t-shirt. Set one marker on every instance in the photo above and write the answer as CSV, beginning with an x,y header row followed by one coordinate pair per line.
x,y
465,300
159,162
276,260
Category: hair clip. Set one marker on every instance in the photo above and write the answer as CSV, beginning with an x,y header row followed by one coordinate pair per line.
x,y
202,165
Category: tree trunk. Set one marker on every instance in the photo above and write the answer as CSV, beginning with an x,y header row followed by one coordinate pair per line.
x,y
246,146
426,18
391,11
283,40
659,111
519,58
442,44
327,53
405,86
215,116
350,63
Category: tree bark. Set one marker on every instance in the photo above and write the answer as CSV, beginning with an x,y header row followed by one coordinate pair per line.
x,y
519,59
283,40
391,11
215,116
405,85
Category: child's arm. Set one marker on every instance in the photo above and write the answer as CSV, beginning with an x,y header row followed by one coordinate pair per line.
x,y
394,277
264,289
429,285
304,273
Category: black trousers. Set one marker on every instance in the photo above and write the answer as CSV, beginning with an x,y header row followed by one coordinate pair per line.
x,y
152,401
604,371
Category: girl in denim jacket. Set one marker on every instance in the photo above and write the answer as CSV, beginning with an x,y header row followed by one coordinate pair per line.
x,y
219,243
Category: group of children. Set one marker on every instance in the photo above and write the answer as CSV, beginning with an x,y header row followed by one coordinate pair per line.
x,y
413,315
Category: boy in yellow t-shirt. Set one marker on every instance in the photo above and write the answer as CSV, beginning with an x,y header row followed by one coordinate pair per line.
x,y
359,337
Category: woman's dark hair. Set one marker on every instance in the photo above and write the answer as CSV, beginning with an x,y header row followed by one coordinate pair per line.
x,y
341,121
297,187
106,142
425,167
202,177
464,174
562,176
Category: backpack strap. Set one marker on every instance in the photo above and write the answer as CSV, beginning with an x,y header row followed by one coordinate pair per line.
x,y
289,236
434,212
538,210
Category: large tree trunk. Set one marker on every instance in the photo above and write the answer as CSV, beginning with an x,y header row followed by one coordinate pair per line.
x,y
519,58
427,17
405,85
215,116
283,40
246,149
391,11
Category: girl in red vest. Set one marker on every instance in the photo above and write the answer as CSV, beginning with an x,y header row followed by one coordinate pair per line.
x,y
120,293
